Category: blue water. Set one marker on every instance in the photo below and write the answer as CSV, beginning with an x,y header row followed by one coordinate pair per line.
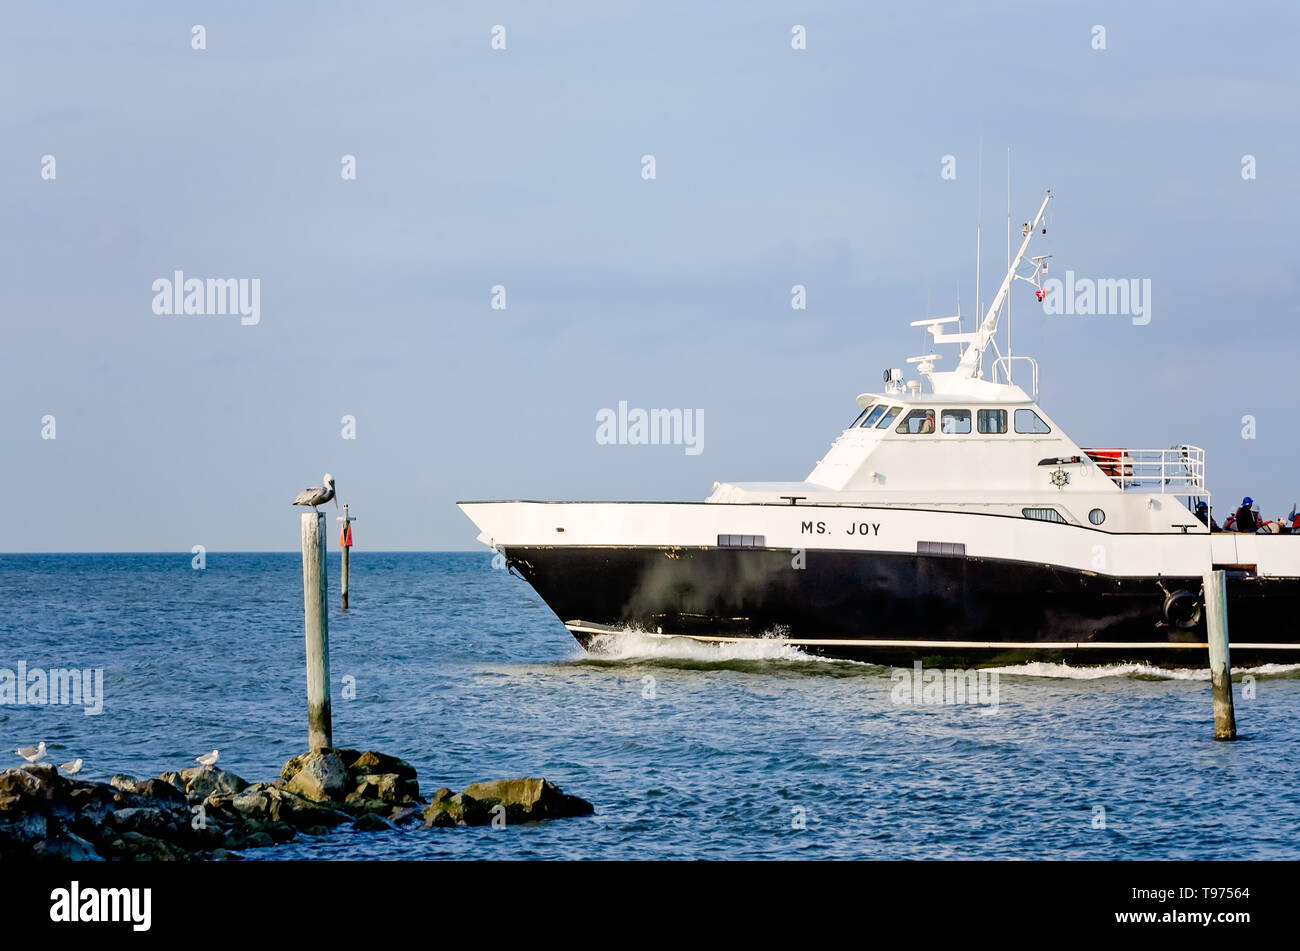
x,y
687,751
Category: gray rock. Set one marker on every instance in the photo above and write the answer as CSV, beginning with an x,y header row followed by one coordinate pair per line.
x,y
456,810
141,847
371,822
529,800
202,781
291,768
402,814
122,781
69,847
162,791
37,787
259,840
280,831
253,801
372,763
357,805
23,829
390,787
299,812
320,777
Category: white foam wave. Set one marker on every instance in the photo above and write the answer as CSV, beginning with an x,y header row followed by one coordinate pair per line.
x,y
1066,672
638,645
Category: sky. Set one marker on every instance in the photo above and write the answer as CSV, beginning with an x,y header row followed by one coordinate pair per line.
x,y
522,168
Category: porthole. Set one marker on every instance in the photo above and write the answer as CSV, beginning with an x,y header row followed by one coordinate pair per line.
x,y
1096,516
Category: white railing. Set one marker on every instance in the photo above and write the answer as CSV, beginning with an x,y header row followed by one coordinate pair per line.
x,y
1004,364
1179,470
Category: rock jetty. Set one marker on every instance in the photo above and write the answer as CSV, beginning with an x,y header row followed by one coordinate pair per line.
x,y
210,813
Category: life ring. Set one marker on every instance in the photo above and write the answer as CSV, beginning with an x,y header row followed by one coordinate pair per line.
x,y
1183,610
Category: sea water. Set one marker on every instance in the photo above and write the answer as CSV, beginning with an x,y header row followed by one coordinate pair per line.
x,y
686,750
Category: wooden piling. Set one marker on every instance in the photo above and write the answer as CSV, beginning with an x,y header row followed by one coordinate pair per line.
x,y
345,541
1216,629
315,584
346,549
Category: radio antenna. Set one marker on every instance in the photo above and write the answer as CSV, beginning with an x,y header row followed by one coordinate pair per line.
x,y
1009,360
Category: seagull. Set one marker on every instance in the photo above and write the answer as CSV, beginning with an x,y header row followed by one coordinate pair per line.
x,y
32,753
318,495
71,769
208,759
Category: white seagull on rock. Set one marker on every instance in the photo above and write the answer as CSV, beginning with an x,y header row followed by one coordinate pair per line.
x,y
318,495
208,759
71,769
32,753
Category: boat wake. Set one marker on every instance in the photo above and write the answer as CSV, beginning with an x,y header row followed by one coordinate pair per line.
x,y
1139,671
636,645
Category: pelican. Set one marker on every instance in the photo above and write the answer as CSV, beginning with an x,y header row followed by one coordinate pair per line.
x,y
208,759
32,753
71,769
318,495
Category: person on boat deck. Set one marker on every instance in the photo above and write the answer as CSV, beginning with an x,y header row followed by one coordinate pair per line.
x,y
1203,513
1230,523
1246,520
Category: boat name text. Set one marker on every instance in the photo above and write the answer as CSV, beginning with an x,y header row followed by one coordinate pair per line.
x,y
855,528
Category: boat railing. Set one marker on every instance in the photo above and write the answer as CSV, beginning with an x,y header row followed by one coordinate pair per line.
x,y
1002,367
1179,470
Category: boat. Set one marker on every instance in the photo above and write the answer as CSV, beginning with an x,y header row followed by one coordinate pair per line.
x,y
953,521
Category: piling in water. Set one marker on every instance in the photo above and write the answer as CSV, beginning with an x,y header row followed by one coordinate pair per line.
x,y
316,621
1216,629
345,540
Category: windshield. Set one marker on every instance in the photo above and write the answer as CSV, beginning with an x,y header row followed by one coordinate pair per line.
x,y
873,416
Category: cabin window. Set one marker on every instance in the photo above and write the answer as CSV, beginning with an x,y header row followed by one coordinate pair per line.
x,y
889,417
956,421
1096,516
874,415
860,415
1027,421
992,420
1044,515
917,422
742,541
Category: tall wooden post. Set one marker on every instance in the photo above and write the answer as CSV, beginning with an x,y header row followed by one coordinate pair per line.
x,y
345,541
315,584
1216,629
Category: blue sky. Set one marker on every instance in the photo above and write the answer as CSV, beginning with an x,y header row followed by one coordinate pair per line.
x,y
522,167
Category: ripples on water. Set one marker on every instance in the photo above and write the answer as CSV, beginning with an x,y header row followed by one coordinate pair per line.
x,y
687,750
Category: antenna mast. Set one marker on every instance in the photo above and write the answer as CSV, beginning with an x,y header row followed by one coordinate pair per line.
x,y
980,339
979,219
1010,362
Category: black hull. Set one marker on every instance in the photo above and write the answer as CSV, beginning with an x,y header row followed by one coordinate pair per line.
x,y
1023,611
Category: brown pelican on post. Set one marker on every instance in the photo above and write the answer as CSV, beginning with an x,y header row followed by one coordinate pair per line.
x,y
318,495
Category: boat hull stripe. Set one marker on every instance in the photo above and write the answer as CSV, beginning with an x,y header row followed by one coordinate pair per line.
x,y
990,645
